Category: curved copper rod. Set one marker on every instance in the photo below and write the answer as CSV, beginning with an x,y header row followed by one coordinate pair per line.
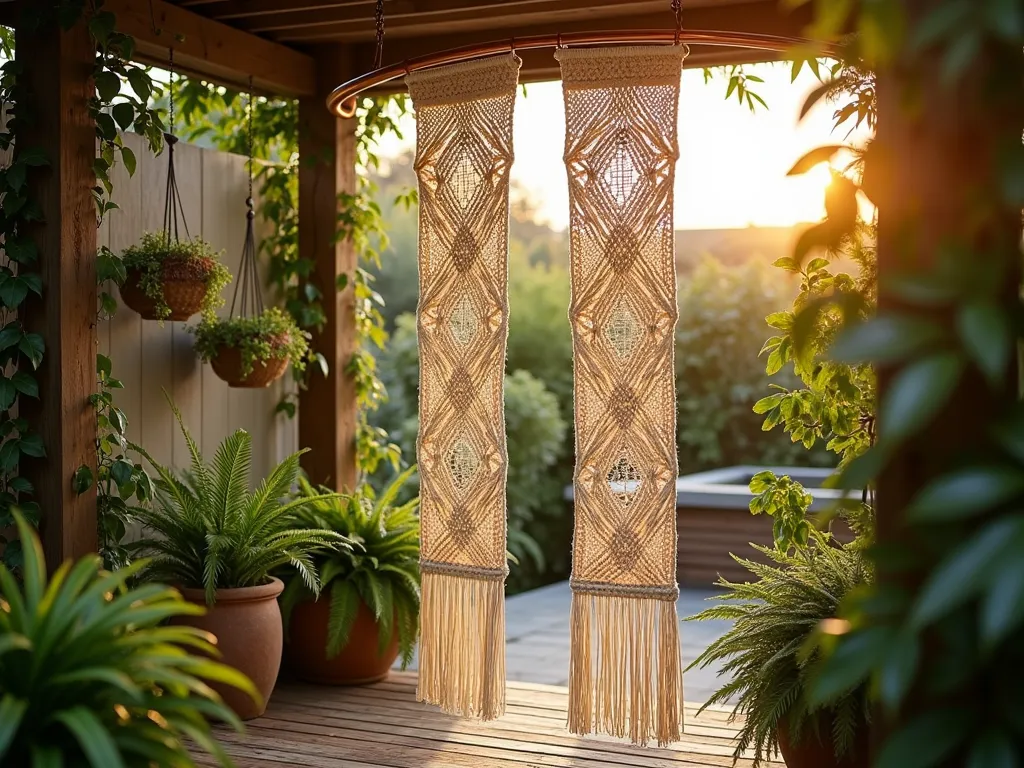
x,y
342,100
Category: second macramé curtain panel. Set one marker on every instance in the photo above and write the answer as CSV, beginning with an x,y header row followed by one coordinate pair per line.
x,y
463,158
621,109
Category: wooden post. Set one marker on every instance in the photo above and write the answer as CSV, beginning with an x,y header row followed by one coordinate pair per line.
x,y
58,77
327,156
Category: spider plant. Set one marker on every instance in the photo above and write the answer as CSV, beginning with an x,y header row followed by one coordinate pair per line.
x,y
213,533
88,676
380,570
770,652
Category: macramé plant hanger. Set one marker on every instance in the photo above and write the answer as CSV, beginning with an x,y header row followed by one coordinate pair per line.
x,y
169,278
251,351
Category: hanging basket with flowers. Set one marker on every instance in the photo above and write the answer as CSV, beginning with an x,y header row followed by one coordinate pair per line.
x,y
253,348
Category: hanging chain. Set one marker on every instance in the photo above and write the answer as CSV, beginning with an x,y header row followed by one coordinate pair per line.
x,y
170,94
248,201
378,58
677,9
248,296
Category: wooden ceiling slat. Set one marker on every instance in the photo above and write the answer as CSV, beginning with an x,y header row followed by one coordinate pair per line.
x,y
230,10
213,50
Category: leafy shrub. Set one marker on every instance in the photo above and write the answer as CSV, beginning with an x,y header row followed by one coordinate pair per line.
x,y
718,376
196,256
776,619
213,533
88,676
271,335
381,569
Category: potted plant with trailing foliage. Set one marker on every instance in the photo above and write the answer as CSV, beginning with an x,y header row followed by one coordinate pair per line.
x,y
368,611
170,279
219,542
91,676
771,652
254,351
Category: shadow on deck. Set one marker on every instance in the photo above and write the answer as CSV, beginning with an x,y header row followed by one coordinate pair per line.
x,y
383,726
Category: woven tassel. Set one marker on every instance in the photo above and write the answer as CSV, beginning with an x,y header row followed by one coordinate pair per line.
x,y
625,677
462,645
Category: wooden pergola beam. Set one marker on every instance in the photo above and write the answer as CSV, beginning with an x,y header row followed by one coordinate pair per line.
x,y
213,50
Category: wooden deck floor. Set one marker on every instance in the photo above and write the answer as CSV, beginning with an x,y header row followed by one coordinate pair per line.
x,y
382,726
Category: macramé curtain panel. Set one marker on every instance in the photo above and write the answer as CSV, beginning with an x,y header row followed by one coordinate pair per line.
x,y
621,107
463,158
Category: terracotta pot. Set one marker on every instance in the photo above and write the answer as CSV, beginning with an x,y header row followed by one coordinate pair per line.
x,y
184,287
816,750
247,623
358,662
227,364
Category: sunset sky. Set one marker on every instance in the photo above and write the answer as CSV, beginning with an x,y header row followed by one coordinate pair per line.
x,y
732,166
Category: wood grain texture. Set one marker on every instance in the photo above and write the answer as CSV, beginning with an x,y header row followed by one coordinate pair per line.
x,y
216,51
383,726
327,409
58,75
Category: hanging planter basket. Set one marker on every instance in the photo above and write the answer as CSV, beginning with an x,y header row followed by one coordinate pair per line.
x,y
229,365
181,287
252,352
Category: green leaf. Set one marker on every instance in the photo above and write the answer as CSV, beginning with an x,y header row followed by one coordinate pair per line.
x,y
966,492
885,338
121,471
854,657
10,335
32,445
11,711
926,740
898,669
130,163
814,157
103,365
31,345
33,281
8,393
82,480
993,749
1003,608
93,737
108,85
124,114
917,393
141,83
967,569
985,332
25,383
34,156
13,291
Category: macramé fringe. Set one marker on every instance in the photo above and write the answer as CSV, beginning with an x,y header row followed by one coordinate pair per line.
x,y
625,676
462,645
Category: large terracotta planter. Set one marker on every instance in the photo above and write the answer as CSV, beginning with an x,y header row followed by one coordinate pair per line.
x,y
184,287
358,662
247,623
815,752
227,364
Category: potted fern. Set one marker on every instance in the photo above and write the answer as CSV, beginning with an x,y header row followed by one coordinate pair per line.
x,y
252,352
88,676
168,279
367,614
219,543
770,653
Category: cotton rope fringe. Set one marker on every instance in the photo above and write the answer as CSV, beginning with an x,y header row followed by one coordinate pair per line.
x,y
463,158
621,107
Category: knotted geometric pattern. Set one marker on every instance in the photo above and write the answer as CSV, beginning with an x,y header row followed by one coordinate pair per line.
x,y
620,153
463,158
